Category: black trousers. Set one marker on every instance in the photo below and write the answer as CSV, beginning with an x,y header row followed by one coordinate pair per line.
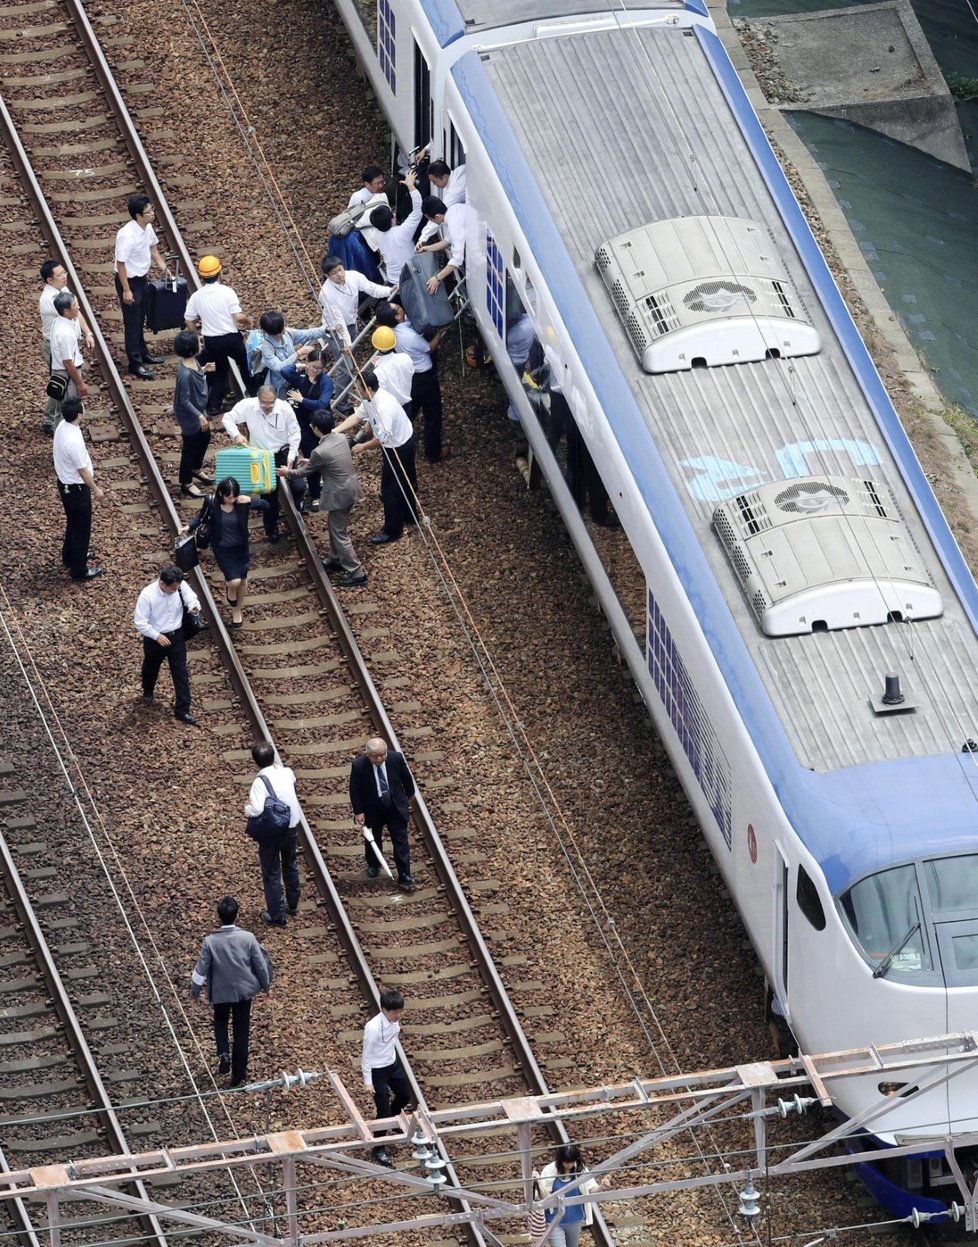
x,y
398,486
175,656
397,826
298,487
238,1013
134,319
77,502
218,350
278,860
192,451
392,1091
582,476
426,400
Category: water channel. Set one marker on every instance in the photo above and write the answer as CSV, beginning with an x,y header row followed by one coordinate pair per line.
x,y
915,218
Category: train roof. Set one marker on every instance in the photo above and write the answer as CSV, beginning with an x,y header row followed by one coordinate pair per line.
x,y
571,111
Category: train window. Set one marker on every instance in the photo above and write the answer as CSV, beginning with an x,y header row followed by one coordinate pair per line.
x,y
456,152
884,912
952,883
495,286
386,42
423,124
809,901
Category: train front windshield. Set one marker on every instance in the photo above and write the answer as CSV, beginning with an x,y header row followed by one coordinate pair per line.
x,y
919,919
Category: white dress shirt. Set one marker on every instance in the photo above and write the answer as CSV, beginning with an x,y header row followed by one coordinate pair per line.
x,y
66,342
453,228
388,419
45,305
282,779
379,1045
158,612
214,306
453,192
396,247
70,453
339,301
395,372
360,197
559,371
279,428
413,345
133,245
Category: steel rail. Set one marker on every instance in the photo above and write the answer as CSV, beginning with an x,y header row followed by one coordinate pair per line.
x,y
484,963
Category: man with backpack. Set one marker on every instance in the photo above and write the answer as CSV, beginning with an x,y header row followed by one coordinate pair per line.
x,y
273,818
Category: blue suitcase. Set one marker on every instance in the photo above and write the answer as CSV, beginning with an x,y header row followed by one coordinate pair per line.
x,y
426,312
254,470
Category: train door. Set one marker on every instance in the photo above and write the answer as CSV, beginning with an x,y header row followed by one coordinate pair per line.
x,y
781,895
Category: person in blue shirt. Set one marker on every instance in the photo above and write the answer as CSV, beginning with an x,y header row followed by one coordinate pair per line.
x,y
282,348
567,1172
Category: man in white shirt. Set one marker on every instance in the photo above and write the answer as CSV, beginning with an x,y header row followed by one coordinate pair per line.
x,y
454,224
394,369
216,309
76,483
374,179
383,1073
66,356
272,425
339,299
449,185
390,429
396,242
55,280
276,853
136,249
158,618
425,387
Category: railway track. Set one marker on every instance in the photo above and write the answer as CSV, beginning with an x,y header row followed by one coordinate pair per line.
x,y
55,1104
297,671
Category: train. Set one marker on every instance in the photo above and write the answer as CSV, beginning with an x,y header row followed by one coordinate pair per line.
x,y
809,644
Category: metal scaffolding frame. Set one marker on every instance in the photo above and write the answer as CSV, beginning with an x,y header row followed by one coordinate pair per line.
x,y
751,1093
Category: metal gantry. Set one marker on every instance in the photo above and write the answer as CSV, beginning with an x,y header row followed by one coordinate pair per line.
x,y
662,1107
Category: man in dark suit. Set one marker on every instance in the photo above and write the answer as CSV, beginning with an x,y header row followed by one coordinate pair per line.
x,y
380,789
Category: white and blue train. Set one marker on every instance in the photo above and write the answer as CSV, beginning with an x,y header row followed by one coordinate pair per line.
x,y
793,553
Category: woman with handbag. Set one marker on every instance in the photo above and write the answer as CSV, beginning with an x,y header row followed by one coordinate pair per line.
x,y
190,409
567,1170
225,514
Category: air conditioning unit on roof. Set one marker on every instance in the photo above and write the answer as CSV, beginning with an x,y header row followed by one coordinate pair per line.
x,y
705,290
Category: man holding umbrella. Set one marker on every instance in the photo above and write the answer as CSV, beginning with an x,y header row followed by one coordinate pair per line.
x,y
381,787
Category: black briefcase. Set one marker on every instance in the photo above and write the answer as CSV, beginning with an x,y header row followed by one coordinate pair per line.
x,y
166,300
426,312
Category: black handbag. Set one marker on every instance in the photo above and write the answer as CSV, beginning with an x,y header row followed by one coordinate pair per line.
x,y
193,622
57,387
185,553
204,532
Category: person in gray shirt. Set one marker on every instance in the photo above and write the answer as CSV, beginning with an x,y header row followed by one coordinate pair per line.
x,y
190,410
235,968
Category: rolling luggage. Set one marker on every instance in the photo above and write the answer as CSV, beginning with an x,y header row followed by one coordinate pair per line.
x,y
254,470
166,300
426,312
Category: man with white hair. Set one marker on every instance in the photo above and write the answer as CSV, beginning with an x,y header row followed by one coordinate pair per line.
x,y
272,425
381,788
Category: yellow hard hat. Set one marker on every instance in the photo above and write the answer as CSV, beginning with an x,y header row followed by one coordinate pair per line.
x,y
382,338
208,266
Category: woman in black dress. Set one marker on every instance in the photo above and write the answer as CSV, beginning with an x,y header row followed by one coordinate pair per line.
x,y
229,509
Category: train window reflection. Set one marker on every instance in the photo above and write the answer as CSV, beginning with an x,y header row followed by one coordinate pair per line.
x,y
953,882
884,912
965,952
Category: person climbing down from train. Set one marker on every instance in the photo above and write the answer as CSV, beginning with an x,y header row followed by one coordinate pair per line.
x,y
567,1172
450,188
453,224
396,244
374,181
339,299
383,1073
283,348
425,387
